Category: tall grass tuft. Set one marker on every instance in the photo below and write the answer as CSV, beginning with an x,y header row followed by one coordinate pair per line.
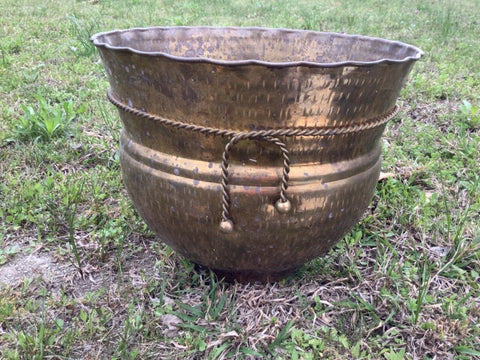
x,y
83,30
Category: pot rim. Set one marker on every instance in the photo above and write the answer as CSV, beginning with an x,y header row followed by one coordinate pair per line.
x,y
98,42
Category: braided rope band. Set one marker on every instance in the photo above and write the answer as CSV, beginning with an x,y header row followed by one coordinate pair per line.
x,y
283,204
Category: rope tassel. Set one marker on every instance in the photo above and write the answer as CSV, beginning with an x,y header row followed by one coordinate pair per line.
x,y
282,205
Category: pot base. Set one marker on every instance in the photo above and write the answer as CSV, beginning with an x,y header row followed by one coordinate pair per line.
x,y
250,276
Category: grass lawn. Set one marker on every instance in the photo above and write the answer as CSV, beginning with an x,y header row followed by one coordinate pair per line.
x,y
82,277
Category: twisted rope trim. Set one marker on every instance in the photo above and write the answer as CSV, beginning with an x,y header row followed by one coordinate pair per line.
x,y
271,135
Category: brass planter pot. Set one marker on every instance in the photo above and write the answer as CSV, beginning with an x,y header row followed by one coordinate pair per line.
x,y
249,150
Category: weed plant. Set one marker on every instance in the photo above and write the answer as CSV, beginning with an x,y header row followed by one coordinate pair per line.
x,y
45,121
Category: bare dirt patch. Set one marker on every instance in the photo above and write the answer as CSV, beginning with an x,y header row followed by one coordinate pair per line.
x,y
34,265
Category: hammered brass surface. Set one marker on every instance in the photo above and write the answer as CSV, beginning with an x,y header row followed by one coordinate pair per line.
x,y
247,79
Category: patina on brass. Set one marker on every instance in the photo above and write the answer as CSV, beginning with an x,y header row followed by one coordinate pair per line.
x,y
249,150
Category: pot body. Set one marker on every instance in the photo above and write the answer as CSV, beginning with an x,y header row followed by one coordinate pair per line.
x,y
202,76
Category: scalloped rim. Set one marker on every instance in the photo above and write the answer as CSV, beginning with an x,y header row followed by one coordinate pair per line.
x,y
96,41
